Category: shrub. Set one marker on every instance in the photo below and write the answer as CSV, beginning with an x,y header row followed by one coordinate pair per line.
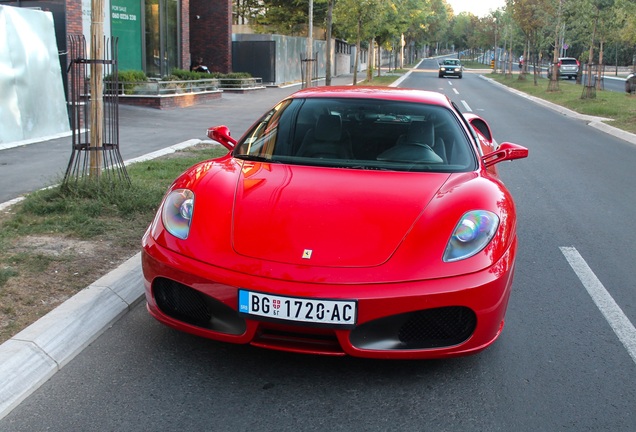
x,y
129,78
233,79
186,75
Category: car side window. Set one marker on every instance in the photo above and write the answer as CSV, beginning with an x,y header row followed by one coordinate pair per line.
x,y
263,139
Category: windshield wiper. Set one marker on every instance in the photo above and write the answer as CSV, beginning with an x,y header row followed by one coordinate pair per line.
x,y
255,158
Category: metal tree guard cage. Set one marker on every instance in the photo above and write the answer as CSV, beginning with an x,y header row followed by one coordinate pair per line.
x,y
84,153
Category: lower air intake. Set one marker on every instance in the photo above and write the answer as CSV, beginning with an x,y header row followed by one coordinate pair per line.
x,y
428,328
193,307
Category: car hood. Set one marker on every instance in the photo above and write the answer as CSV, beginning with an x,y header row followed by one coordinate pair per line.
x,y
329,217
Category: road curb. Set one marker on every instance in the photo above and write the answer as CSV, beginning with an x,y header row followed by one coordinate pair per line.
x,y
34,355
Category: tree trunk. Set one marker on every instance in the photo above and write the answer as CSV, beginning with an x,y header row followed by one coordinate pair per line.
x,y
328,46
371,61
357,61
589,91
599,73
522,72
97,87
554,78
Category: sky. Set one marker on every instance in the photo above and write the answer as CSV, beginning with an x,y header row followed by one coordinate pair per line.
x,y
479,8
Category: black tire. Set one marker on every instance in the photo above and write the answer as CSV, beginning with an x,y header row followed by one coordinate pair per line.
x,y
460,76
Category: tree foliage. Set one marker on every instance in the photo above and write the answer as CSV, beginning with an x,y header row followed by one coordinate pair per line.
x,y
433,24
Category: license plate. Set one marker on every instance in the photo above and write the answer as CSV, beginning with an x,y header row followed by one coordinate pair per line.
x,y
298,309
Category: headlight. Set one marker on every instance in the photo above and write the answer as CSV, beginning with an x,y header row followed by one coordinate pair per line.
x,y
473,232
176,213
443,69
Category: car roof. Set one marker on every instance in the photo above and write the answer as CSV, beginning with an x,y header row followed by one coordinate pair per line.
x,y
378,93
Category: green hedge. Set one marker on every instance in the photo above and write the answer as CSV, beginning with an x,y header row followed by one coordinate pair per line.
x,y
131,77
186,75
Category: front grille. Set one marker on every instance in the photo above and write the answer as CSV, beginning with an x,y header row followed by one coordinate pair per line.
x,y
193,307
423,329
438,327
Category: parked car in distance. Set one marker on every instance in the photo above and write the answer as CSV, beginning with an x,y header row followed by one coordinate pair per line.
x,y
566,66
630,83
361,221
452,67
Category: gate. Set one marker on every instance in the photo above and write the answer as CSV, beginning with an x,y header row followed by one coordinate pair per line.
x,y
256,57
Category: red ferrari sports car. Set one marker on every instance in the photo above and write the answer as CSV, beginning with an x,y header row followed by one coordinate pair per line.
x,y
357,221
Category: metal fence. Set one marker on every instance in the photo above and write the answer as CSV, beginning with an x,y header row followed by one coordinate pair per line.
x,y
158,87
92,158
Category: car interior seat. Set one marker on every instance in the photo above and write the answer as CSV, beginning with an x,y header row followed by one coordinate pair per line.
x,y
419,144
326,140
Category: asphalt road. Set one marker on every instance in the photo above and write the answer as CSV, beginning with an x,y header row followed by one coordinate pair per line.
x,y
565,361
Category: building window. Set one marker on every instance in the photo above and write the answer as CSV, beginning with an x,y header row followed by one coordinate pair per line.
x,y
162,37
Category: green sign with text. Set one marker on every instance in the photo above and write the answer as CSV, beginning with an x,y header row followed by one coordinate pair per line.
x,y
125,20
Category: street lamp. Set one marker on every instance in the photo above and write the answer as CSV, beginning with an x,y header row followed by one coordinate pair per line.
x,y
495,56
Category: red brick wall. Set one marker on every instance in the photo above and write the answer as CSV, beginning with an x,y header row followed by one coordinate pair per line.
x,y
73,17
171,101
211,33
185,34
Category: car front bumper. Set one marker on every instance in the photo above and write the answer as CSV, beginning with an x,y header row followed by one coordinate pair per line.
x,y
451,72
439,318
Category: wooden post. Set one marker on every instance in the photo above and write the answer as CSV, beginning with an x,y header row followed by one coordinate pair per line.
x,y
97,87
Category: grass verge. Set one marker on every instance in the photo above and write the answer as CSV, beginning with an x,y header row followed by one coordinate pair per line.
x,y
619,107
58,241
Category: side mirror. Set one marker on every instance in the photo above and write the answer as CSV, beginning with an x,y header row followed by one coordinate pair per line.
x,y
506,151
480,125
221,134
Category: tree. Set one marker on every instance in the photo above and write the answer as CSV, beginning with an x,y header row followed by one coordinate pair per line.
x,y
531,16
356,19
328,25
245,11
287,17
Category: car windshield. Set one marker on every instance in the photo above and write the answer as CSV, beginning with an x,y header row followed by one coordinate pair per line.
x,y
451,62
360,134
568,61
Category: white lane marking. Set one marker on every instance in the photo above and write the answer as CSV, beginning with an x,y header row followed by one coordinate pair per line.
x,y
466,106
455,90
612,312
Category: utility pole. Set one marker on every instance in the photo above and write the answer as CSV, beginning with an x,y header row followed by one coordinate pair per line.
x,y
97,87
310,43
